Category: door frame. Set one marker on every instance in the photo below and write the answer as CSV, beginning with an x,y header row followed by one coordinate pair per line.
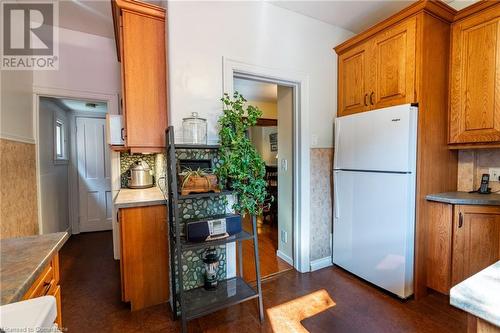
x,y
113,108
301,152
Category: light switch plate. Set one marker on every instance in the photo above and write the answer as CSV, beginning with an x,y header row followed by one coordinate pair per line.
x,y
494,174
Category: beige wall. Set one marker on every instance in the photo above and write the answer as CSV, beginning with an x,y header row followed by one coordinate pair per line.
x,y
472,164
269,109
260,138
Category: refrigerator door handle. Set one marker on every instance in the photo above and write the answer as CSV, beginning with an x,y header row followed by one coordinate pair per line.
x,y
335,196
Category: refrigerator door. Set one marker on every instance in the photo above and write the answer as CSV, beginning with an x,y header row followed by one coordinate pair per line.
x,y
379,140
374,228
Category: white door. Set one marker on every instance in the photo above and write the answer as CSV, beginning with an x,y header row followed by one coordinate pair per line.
x,y
94,175
373,227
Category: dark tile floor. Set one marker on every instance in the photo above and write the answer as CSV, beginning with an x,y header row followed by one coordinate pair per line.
x,y
90,282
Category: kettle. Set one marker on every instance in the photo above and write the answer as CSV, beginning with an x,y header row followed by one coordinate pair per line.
x,y
140,175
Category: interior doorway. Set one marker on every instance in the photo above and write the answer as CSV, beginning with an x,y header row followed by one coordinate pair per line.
x,y
74,165
272,137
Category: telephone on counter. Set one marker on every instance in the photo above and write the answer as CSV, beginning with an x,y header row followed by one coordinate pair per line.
x,y
485,181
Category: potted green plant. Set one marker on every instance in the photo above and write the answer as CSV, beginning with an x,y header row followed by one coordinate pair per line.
x,y
240,163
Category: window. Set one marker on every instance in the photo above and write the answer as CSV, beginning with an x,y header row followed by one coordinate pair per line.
x,y
60,141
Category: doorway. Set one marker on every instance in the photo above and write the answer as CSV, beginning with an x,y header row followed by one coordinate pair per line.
x,y
74,165
272,138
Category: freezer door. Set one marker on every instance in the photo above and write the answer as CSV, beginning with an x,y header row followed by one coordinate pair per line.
x,y
381,140
373,229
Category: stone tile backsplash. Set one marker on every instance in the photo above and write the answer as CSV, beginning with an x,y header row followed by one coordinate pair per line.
x,y
472,164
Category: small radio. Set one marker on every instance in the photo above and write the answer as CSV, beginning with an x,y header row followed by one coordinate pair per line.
x,y
216,228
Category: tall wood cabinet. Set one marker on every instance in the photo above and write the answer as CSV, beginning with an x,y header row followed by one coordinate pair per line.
x,y
144,255
141,48
475,76
404,60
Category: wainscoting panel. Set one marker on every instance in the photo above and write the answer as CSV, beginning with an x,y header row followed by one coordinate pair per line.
x,y
18,192
321,202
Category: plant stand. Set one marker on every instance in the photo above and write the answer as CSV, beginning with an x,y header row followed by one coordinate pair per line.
x,y
199,302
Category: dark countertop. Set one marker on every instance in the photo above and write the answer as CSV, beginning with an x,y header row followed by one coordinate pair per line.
x,y
466,198
23,259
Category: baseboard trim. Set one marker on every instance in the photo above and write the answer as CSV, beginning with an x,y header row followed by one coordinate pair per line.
x,y
283,256
321,263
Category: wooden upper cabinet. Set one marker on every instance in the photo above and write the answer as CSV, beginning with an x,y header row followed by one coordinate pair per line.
x,y
393,65
476,240
141,47
353,77
475,79
380,71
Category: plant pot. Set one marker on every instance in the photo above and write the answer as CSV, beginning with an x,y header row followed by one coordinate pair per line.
x,y
199,184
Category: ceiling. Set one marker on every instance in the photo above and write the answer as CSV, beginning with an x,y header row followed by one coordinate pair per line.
x,y
94,16
256,91
89,16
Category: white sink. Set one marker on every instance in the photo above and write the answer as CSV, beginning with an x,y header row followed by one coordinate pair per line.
x,y
30,315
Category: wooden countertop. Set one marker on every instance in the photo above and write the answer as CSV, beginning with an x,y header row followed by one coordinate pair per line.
x,y
23,259
127,198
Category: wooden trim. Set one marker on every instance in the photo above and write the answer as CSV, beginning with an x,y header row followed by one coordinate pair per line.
x,y
141,8
474,8
267,122
435,8
474,146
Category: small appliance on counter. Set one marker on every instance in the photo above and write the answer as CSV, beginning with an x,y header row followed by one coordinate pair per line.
x,y
194,130
140,175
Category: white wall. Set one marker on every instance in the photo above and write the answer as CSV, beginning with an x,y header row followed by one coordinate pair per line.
x,y
258,33
16,109
86,63
53,177
285,174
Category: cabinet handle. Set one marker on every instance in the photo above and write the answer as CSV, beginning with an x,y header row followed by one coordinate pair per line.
x,y
366,102
460,220
47,286
122,134
371,98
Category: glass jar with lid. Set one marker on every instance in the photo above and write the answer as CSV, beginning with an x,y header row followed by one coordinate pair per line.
x,y
194,130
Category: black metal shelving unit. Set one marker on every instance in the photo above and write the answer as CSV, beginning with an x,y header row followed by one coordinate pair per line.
x,y
199,302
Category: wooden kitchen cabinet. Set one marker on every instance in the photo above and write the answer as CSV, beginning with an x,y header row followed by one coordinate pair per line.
x,y
353,80
144,255
476,240
141,47
393,82
47,284
463,240
379,72
475,78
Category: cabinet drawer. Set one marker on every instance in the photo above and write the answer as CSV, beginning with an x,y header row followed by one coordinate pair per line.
x,y
55,290
43,284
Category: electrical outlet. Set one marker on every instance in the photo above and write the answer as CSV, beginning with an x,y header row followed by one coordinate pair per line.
x,y
283,236
494,174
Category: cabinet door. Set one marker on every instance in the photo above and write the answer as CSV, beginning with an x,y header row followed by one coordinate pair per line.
x,y
144,256
392,66
144,80
475,79
476,240
353,81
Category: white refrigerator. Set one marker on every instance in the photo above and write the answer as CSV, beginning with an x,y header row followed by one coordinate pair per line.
x,y
374,196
